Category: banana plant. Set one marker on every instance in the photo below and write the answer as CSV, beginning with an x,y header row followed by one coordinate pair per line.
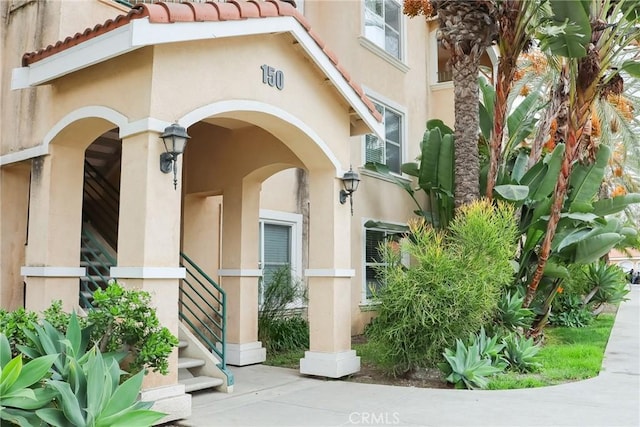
x,y
434,170
21,386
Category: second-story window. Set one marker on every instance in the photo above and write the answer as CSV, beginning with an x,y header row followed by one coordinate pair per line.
x,y
382,25
387,152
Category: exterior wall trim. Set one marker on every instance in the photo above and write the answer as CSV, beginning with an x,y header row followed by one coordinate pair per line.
x,y
31,271
141,32
149,124
329,272
148,272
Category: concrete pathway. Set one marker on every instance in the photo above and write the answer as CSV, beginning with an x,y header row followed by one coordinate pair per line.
x,y
268,396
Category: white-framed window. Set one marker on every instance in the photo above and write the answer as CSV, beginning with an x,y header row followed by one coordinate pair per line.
x,y
373,238
389,152
280,246
383,25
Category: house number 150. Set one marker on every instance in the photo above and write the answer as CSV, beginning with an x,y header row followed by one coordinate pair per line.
x,y
272,77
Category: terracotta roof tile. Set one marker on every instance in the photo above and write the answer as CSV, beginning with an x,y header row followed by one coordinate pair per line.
x,y
164,12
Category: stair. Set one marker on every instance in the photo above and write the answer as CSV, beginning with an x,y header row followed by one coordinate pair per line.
x,y
189,372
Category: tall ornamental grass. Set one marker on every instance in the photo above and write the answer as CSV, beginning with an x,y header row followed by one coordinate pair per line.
x,y
450,289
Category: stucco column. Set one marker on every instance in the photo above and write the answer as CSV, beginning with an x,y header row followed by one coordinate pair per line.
x,y
52,269
239,273
329,280
149,243
14,214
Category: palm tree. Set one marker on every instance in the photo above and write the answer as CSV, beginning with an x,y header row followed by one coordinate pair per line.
x,y
603,30
467,29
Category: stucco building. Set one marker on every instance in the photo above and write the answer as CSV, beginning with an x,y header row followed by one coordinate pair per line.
x,y
280,100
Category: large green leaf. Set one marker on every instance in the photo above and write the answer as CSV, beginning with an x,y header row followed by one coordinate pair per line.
x,y
548,181
446,168
439,124
558,271
137,417
123,397
571,32
10,374
410,169
610,206
53,416
33,371
518,127
519,167
69,402
632,67
429,158
5,350
592,249
512,193
585,180
37,398
19,417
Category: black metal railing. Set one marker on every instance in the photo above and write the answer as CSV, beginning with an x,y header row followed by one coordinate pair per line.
x,y
101,204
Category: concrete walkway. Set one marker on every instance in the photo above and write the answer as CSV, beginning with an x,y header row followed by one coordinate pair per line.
x,y
268,396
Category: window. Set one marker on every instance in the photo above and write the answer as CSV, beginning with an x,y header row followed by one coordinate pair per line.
x,y
373,260
382,24
280,243
387,152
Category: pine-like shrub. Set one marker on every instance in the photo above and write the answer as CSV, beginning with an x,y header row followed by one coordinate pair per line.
x,y
450,290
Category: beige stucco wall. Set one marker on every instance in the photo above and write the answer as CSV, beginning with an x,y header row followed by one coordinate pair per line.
x,y
204,70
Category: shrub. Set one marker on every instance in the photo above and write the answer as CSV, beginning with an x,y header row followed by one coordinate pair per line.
x,y
13,325
279,328
449,291
124,319
606,283
568,310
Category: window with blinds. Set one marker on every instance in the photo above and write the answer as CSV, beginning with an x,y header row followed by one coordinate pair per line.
x,y
373,260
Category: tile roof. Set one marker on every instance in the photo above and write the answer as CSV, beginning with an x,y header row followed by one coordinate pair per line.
x,y
230,10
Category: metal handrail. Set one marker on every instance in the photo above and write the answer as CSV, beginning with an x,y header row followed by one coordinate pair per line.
x,y
99,260
101,204
205,310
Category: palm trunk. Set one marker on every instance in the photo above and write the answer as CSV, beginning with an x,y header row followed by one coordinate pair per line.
x,y
466,99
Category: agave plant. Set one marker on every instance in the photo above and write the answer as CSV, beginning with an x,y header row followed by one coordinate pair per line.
x,y
520,353
21,386
74,344
511,314
607,284
94,397
467,368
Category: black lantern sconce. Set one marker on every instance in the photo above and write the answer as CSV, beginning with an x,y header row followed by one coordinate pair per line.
x,y
350,181
175,140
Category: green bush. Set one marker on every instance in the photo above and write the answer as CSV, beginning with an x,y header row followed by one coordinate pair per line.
x,y
279,328
122,320
569,310
449,291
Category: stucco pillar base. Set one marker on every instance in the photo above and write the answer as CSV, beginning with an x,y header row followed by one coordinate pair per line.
x,y
172,400
246,354
331,365
42,291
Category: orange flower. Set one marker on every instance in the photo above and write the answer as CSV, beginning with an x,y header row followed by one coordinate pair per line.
x,y
619,191
617,171
560,289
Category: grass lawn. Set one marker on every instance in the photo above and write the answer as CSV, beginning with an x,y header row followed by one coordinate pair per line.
x,y
569,354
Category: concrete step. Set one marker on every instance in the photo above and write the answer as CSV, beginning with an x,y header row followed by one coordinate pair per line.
x,y
187,362
200,383
182,344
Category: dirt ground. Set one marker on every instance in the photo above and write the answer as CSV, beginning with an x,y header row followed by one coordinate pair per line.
x,y
370,374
